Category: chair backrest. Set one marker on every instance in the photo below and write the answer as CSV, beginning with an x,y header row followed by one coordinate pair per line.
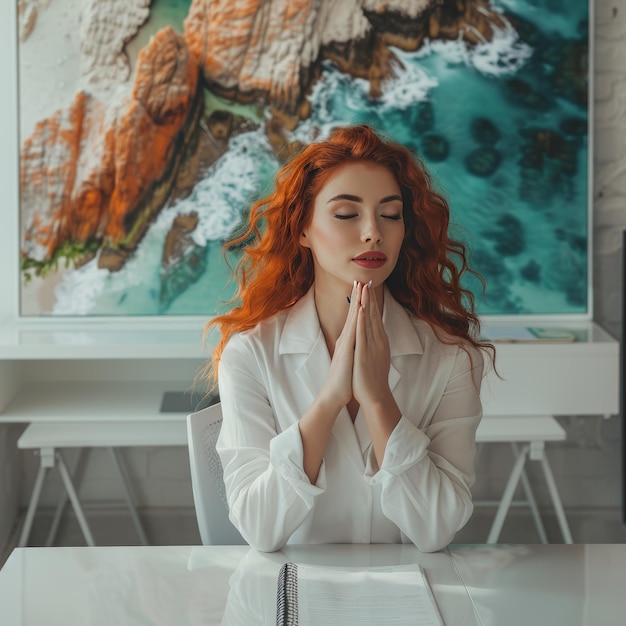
x,y
209,495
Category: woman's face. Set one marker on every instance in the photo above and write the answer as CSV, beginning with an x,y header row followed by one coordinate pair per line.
x,y
357,226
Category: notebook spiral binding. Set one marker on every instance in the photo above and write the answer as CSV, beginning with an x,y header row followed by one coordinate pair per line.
x,y
287,596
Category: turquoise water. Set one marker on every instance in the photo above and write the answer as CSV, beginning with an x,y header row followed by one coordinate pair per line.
x,y
528,236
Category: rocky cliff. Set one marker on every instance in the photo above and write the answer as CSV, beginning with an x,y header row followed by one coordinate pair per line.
x,y
60,183
267,50
94,176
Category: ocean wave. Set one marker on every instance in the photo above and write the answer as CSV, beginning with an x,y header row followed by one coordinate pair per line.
x,y
220,197
229,185
411,85
504,55
335,99
339,99
91,290
78,291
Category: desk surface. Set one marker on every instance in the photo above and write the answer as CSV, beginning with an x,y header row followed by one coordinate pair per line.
x,y
490,585
187,585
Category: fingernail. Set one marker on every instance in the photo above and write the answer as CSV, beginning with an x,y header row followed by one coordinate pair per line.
x,y
348,299
369,285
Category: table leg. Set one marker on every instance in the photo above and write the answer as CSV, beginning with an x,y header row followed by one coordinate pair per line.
x,y
118,461
71,492
77,473
556,501
32,505
507,496
532,502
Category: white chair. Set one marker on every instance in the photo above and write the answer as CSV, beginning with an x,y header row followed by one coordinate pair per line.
x,y
209,495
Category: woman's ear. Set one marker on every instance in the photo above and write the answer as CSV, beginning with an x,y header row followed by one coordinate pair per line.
x,y
304,241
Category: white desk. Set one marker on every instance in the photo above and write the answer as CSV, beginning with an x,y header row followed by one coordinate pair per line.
x,y
577,585
187,585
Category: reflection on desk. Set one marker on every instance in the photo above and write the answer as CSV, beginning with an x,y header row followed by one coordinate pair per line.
x,y
551,584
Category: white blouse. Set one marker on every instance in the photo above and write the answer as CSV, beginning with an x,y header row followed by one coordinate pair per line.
x,y
268,378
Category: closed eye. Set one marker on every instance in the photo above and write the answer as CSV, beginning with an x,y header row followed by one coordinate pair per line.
x,y
393,217
341,216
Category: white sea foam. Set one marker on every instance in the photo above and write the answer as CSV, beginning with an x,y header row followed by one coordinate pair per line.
x,y
228,186
338,98
504,55
411,85
76,294
335,98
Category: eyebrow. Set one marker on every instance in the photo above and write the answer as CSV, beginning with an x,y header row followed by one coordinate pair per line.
x,y
351,198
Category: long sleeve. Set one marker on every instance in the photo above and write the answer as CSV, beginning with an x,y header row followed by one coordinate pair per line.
x,y
269,495
426,474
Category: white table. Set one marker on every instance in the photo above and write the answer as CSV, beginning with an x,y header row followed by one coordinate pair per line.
x,y
49,438
187,585
576,585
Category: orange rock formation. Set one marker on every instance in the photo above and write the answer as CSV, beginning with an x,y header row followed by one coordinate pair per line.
x,y
85,176
150,132
60,187
251,49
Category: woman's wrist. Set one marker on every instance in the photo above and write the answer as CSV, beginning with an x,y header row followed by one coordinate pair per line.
x,y
382,398
382,406
329,404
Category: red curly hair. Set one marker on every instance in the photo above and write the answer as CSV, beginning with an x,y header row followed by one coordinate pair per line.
x,y
276,271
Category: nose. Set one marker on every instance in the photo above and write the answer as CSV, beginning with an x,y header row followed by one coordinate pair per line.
x,y
371,231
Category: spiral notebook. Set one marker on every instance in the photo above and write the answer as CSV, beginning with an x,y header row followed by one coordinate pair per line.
x,y
310,595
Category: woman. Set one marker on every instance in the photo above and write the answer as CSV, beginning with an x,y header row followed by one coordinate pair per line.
x,y
349,372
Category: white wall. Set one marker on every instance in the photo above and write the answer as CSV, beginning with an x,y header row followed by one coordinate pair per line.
x,y
8,160
610,160
10,476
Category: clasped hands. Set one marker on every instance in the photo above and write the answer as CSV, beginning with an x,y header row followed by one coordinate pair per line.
x,y
360,365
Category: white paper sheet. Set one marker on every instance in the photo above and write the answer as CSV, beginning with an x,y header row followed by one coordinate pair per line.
x,y
394,596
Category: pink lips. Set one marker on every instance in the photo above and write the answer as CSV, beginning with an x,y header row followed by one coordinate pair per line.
x,y
370,260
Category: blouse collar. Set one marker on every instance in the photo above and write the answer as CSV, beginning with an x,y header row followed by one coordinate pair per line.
x,y
302,328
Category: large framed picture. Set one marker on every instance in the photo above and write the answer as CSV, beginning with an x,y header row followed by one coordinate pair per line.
x,y
147,129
